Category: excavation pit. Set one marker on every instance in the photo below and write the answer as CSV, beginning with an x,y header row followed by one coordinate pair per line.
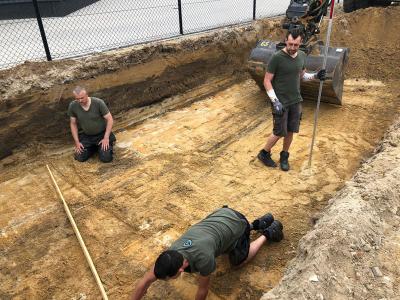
x,y
189,124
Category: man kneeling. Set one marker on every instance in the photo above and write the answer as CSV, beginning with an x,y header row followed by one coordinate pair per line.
x,y
225,231
91,124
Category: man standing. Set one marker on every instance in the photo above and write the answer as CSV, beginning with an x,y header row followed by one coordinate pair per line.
x,y
95,122
282,83
225,231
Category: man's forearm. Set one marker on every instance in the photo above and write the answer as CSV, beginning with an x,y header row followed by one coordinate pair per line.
x,y
108,128
138,294
140,290
201,293
202,290
143,285
268,85
74,132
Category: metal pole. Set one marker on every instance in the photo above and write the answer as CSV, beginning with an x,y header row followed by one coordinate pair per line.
x,y
328,37
79,237
41,28
254,9
180,17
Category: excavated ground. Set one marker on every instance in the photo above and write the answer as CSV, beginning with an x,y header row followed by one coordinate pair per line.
x,y
180,158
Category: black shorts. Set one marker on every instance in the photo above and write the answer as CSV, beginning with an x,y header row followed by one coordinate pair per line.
x,y
241,250
289,121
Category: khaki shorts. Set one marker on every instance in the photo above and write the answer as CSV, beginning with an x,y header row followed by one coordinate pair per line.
x,y
289,121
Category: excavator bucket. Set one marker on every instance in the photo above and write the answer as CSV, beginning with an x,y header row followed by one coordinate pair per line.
x,y
335,67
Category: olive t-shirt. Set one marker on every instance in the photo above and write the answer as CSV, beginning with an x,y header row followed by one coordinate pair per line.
x,y
204,241
90,122
286,81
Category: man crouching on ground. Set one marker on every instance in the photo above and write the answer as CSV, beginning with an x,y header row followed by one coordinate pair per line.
x,y
95,123
225,231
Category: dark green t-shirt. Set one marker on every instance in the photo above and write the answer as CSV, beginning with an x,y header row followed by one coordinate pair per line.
x,y
90,122
204,241
286,81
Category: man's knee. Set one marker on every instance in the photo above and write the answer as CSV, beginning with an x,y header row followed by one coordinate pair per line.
x,y
106,156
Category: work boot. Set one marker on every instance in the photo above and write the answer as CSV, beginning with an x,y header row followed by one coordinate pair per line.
x,y
274,232
284,161
262,223
266,159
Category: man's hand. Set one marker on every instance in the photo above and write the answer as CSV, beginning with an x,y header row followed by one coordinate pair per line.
x,y
105,144
277,106
321,75
79,148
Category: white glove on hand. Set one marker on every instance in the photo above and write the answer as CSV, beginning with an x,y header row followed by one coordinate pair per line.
x,y
276,104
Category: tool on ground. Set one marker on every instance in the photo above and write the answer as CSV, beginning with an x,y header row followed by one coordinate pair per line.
x,y
306,16
79,237
321,83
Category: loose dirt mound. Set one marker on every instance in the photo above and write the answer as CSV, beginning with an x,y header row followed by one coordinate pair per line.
x,y
372,35
353,251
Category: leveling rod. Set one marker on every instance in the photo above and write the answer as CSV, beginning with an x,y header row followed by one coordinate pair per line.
x,y
79,237
321,82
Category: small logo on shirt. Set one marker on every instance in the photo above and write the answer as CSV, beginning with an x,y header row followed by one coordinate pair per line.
x,y
187,243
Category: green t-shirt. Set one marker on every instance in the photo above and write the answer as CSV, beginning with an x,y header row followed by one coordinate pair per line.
x,y
90,122
286,81
204,241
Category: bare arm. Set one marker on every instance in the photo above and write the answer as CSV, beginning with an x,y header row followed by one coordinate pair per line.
x,y
105,142
110,122
74,131
268,81
143,285
202,290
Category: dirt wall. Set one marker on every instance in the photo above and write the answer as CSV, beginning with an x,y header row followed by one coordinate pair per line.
x,y
372,35
125,79
138,76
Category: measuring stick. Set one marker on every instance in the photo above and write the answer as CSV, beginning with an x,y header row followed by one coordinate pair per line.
x,y
328,37
79,237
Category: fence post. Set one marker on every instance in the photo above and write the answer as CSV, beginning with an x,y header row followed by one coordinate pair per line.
x,y
254,9
180,17
41,28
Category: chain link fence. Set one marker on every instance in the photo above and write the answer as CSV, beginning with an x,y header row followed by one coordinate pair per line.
x,y
109,24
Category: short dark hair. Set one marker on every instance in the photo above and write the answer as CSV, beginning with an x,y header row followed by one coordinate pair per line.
x,y
295,33
168,264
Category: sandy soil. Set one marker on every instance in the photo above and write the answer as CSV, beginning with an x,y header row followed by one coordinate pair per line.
x,y
176,161
353,252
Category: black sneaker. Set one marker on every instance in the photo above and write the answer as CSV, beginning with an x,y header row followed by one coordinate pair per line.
x,y
266,159
262,223
274,232
284,161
